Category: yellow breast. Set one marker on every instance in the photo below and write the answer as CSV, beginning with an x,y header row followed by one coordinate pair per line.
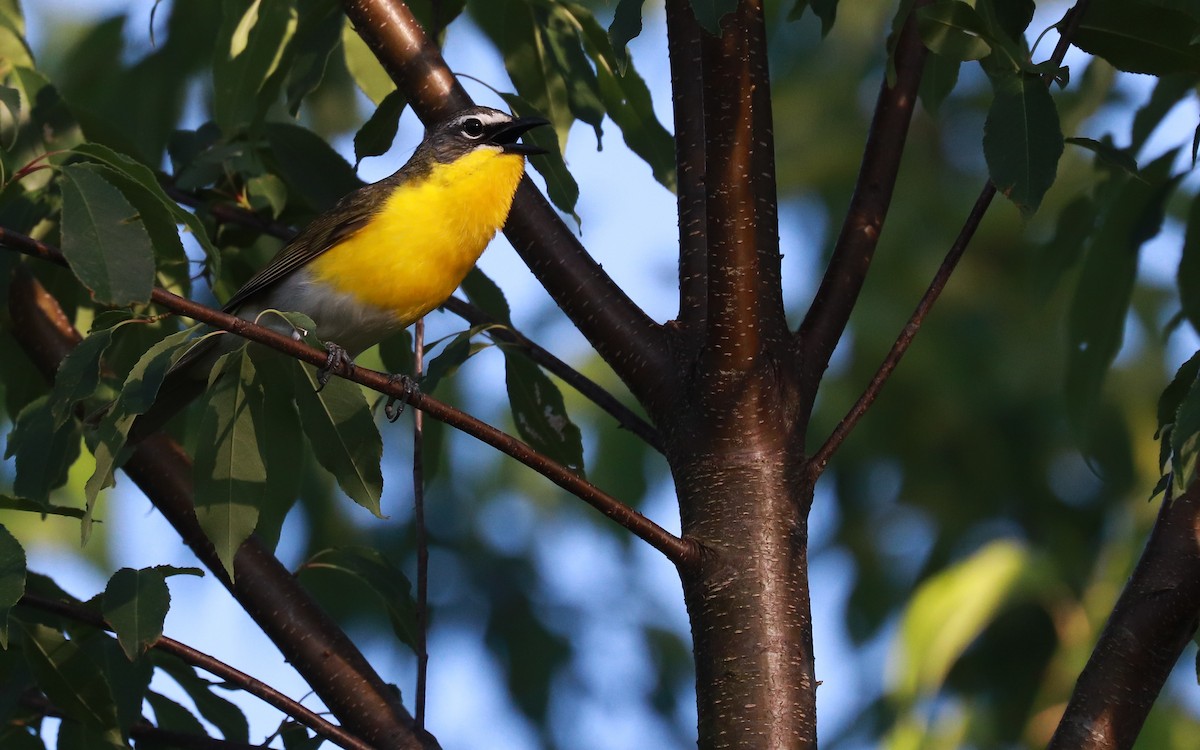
x,y
418,248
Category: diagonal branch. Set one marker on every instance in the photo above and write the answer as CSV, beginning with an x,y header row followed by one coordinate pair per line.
x,y
816,465
843,280
632,343
303,632
1153,620
744,292
682,552
587,387
302,714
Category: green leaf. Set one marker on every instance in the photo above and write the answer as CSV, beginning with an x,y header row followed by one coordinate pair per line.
x,y
173,717
445,364
1131,213
266,192
377,133
1108,153
283,456
12,579
250,46
69,677
1173,395
937,81
1075,225
539,412
560,34
230,472
72,736
19,738
44,451
1140,37
560,184
135,604
949,611
137,395
825,10
13,47
710,13
343,435
1188,274
953,29
104,239
318,33
10,100
1006,18
1022,140
218,711
1185,440
364,67
627,100
626,25
487,296
1168,91
311,168
129,681
381,576
79,373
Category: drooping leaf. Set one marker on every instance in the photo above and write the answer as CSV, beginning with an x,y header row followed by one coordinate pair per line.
x,y
951,609
1108,153
953,29
1188,275
29,506
377,133
364,67
104,239
1007,18
135,604
318,32
1185,440
560,34
173,717
12,579
229,470
1173,395
249,48
381,576
626,25
283,455
69,677
1022,140
825,10
710,13
1130,214
343,435
1137,36
938,81
44,451
218,711
560,184
539,412
129,680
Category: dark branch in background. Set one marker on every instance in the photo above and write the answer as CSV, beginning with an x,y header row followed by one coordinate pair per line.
x,y
1153,621
851,259
335,734
270,594
586,387
632,343
687,98
679,551
745,297
821,458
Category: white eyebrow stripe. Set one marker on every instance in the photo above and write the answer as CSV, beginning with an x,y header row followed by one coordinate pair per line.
x,y
487,118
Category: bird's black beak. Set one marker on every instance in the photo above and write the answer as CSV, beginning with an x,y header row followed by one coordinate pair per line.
x,y
507,134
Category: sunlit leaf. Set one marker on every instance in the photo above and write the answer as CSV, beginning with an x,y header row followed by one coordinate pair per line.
x,y
104,239
364,67
249,48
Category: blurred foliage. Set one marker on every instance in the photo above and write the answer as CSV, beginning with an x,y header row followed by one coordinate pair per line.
x,y
989,507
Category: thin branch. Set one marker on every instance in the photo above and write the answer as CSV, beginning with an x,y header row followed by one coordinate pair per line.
x,y
629,340
418,470
270,594
1153,621
687,99
586,387
816,465
680,551
302,714
843,280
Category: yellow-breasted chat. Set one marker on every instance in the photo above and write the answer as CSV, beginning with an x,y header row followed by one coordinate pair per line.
x,y
384,255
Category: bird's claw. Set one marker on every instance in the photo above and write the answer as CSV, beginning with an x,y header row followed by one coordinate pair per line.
x,y
390,410
337,357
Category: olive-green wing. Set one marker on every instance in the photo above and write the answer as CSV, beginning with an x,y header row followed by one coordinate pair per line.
x,y
350,214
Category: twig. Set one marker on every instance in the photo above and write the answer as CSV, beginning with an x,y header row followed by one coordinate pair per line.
x,y
422,536
682,552
255,687
586,387
820,459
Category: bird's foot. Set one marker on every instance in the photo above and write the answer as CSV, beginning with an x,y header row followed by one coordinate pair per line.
x,y
390,410
337,358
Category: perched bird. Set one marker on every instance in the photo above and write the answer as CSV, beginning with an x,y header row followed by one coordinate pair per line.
x,y
384,255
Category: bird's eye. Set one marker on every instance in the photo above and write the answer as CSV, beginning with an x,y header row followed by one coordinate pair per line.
x,y
472,127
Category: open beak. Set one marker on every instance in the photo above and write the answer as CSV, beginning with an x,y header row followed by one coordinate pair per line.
x,y
507,134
